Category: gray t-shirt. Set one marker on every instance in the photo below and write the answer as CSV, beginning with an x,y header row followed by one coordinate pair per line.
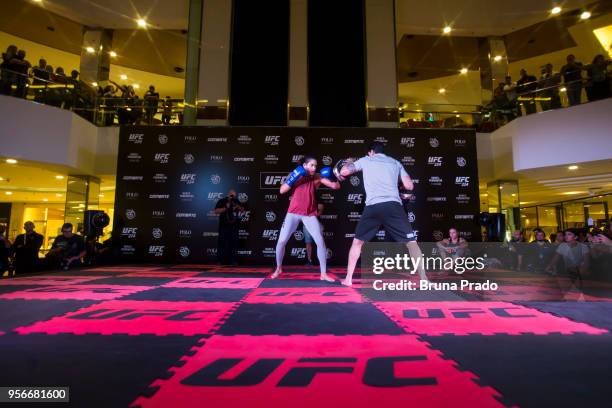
x,y
380,176
573,256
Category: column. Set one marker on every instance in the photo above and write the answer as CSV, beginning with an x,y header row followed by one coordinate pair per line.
x,y
298,63
214,63
381,67
95,57
82,193
192,65
493,65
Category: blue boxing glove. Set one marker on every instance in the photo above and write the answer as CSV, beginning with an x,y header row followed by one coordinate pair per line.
x,y
295,175
326,172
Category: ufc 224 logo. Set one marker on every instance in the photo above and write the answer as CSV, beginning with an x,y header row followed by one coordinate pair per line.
x,y
463,181
272,140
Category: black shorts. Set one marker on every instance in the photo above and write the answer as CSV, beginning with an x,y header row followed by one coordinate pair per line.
x,y
391,216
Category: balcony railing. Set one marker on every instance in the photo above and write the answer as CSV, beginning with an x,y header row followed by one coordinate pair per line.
x,y
107,109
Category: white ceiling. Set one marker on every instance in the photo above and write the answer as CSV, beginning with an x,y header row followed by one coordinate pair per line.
x,y
122,14
473,17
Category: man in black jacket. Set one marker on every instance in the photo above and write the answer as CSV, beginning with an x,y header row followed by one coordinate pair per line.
x,y
525,88
26,247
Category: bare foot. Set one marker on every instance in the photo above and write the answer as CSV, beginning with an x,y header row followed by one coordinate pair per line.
x,y
276,273
326,277
347,283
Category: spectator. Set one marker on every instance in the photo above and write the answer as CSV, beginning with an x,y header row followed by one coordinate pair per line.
x,y
525,87
510,90
67,249
167,112
308,240
558,238
575,256
572,79
73,95
109,103
25,248
5,249
8,77
540,252
41,76
516,246
454,246
151,99
599,82
549,83
228,209
20,66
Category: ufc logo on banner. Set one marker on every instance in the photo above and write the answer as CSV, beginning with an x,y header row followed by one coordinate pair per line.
x,y
271,180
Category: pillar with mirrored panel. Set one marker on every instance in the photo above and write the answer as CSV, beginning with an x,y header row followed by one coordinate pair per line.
x,y
82,193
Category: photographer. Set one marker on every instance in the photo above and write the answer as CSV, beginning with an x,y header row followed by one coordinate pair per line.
x,y
228,209
25,248
67,249
5,249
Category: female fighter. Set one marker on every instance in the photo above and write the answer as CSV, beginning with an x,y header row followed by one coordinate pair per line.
x,y
303,207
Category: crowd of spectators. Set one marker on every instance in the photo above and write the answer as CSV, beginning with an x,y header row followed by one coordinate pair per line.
x,y
43,84
509,96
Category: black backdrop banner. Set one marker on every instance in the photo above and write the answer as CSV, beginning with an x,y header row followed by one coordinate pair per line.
x,y
170,178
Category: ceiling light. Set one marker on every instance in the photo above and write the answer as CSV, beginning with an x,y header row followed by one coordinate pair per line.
x,y
100,195
442,90
90,50
573,167
497,58
563,89
572,192
37,1
136,86
123,77
59,177
8,192
446,30
142,23
464,71
555,10
513,194
585,15
58,195
11,161
113,54
94,83
45,199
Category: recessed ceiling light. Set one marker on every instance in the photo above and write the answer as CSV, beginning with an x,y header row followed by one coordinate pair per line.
x,y
573,167
555,10
59,177
58,195
442,90
497,58
100,195
572,192
585,15
123,77
11,161
90,50
464,71
446,30
563,89
136,86
142,23
113,54
94,83
45,199
8,192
